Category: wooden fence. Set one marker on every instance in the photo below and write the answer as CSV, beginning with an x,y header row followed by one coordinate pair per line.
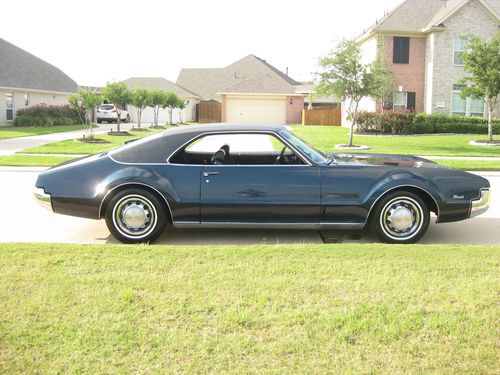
x,y
322,116
209,112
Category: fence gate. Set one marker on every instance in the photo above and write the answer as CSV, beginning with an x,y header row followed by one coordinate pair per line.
x,y
322,116
209,112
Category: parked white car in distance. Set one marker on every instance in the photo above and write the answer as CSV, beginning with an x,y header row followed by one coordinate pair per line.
x,y
109,113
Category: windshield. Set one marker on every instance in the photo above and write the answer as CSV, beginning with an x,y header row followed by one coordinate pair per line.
x,y
306,149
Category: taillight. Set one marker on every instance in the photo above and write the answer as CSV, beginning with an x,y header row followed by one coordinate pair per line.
x,y
114,110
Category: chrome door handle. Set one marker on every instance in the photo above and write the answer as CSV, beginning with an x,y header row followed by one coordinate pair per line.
x,y
206,174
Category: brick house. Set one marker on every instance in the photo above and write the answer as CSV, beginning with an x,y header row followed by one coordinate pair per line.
x,y
250,90
421,40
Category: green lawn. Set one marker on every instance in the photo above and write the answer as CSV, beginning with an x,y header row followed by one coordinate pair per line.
x,y
76,147
250,309
471,165
326,137
25,131
33,160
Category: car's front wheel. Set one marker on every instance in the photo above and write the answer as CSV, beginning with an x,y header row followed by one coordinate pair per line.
x,y
400,217
135,215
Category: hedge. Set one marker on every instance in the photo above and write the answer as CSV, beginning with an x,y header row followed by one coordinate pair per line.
x,y
44,115
411,123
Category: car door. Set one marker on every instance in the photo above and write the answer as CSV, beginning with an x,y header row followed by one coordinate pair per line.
x,y
259,193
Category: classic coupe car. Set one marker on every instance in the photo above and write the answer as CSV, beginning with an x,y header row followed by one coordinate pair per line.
x,y
256,176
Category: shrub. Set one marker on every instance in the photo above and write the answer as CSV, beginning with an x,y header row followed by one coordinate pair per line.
x,y
410,123
44,115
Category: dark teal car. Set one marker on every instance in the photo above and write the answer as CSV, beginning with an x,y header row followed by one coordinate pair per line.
x,y
257,176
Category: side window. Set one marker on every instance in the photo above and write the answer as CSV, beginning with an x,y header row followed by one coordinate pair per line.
x,y
237,149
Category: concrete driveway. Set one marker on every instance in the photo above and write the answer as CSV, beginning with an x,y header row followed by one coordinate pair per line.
x,y
23,220
12,145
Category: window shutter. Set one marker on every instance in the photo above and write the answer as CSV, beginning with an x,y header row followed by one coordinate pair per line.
x,y
411,98
401,50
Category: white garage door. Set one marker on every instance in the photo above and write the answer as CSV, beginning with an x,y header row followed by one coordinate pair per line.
x,y
270,111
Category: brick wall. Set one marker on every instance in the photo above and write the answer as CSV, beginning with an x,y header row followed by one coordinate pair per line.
x,y
294,106
411,76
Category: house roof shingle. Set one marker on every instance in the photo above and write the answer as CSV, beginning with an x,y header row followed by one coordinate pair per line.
x,y
158,83
249,71
419,15
21,69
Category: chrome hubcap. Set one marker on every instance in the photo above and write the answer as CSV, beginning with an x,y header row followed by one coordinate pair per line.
x,y
401,218
134,216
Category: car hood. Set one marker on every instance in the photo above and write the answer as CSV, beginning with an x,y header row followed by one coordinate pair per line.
x,y
383,160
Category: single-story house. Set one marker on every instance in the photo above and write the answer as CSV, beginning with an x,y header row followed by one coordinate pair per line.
x,y
178,115
250,91
26,80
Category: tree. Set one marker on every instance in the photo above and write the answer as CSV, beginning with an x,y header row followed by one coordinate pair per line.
x,y
156,99
171,101
481,64
181,104
345,76
139,99
85,101
118,94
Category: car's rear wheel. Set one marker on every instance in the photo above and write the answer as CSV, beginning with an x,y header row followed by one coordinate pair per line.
x,y
135,216
99,121
400,217
127,119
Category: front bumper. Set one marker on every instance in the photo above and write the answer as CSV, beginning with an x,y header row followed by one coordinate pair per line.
x,y
43,198
481,204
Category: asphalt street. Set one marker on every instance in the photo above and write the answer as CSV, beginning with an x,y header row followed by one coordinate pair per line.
x,y
24,220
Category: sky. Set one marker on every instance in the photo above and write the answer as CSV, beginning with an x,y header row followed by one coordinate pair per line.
x,y
95,42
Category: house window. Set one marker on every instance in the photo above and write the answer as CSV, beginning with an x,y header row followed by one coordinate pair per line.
x,y
401,50
9,106
465,106
404,101
459,46
26,100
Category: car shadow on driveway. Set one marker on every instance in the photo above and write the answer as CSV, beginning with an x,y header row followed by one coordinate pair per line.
x,y
476,231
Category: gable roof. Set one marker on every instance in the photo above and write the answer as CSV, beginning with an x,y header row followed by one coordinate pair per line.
x,y
21,69
207,83
418,16
158,83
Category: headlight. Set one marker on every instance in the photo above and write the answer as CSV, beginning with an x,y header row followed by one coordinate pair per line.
x,y
480,205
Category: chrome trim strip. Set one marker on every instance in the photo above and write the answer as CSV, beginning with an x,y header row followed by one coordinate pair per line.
x,y
481,204
239,225
397,187
133,183
43,198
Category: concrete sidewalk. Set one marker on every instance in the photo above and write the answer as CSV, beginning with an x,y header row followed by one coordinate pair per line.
x,y
12,145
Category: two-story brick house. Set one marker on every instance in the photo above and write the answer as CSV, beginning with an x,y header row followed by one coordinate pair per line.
x,y
421,41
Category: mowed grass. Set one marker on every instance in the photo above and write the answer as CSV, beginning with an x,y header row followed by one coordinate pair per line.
x,y
290,309
471,165
77,147
25,131
326,137
33,160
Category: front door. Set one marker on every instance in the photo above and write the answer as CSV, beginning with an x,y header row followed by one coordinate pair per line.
x,y
253,177
260,194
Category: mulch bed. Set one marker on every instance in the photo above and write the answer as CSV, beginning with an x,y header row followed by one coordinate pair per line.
x,y
139,130
120,133
92,140
485,143
157,127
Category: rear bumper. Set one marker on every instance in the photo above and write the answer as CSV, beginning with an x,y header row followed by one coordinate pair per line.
x,y
43,198
481,204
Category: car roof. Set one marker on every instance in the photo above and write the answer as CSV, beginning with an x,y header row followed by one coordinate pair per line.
x,y
216,127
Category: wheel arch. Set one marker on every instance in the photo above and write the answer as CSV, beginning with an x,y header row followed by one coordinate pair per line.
x,y
419,191
129,185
